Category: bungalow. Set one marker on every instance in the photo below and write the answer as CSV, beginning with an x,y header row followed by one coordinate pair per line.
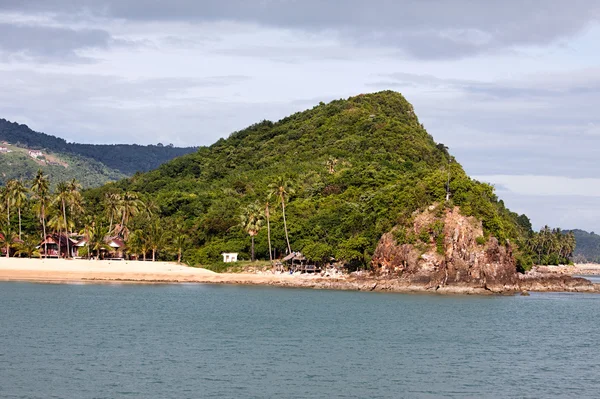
x,y
49,247
35,154
4,150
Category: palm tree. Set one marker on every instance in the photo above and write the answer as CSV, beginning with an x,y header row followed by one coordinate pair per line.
x,y
7,238
18,192
57,224
112,206
282,189
156,237
41,190
96,238
251,222
138,243
179,241
268,215
28,246
63,197
130,206
7,197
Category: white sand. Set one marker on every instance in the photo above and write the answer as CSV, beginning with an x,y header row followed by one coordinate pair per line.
x,y
62,270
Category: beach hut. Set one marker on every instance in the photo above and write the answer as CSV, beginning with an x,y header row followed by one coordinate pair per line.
x,y
52,242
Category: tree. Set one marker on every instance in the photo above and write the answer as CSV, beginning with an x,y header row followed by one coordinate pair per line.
x,y
41,190
96,238
7,198
268,215
251,221
112,207
138,243
28,246
281,188
130,206
331,163
156,237
179,241
18,192
63,197
7,238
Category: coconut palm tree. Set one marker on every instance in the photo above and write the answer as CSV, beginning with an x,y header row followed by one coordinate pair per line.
x,y
268,215
112,207
28,246
281,188
138,243
251,221
96,238
56,223
40,188
156,237
18,192
7,238
62,198
130,206
7,197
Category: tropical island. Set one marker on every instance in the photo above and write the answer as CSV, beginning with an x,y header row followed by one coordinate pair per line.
x,y
355,186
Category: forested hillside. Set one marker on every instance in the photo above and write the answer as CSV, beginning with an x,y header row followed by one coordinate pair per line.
x,y
123,158
328,182
346,172
588,246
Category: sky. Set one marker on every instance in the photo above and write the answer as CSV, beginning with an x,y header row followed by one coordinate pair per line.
x,y
511,87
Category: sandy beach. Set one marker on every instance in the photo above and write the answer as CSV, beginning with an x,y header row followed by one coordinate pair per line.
x,y
80,270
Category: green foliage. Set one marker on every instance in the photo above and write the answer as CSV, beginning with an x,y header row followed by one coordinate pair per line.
x,y
339,175
480,240
90,164
588,246
550,246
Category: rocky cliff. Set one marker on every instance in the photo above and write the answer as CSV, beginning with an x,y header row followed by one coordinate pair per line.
x,y
443,249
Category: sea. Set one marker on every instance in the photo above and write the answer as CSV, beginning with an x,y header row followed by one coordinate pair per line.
x,y
219,341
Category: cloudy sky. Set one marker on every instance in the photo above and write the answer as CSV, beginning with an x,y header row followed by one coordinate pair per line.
x,y
512,87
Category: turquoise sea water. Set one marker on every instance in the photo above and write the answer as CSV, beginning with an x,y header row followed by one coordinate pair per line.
x,y
193,341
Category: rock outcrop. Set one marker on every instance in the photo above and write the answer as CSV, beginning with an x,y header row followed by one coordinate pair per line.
x,y
445,250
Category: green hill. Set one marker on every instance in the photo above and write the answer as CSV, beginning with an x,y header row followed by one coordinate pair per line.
x,y
93,164
18,164
357,168
588,246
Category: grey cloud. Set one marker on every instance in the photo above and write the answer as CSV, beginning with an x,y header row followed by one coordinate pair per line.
x,y
49,43
544,126
422,29
108,109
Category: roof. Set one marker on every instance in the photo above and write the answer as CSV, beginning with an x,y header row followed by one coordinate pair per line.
x,y
294,256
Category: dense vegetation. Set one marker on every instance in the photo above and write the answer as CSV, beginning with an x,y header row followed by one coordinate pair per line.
x,y
123,158
328,182
346,172
19,165
588,246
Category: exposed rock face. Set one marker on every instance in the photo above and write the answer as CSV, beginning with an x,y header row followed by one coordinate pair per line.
x,y
448,252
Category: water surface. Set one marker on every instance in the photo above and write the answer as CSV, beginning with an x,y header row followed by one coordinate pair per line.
x,y
190,341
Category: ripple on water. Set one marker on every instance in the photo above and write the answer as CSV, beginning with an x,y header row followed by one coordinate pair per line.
x,y
170,341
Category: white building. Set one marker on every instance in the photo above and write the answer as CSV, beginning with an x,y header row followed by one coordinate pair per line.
x,y
230,257
35,154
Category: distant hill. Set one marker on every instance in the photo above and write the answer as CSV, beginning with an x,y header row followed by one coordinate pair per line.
x,y
588,247
91,164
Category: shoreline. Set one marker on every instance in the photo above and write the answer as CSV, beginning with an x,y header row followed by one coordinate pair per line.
x,y
61,271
